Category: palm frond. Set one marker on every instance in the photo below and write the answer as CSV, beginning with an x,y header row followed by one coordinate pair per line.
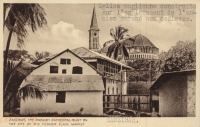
x,y
21,15
125,52
31,91
118,35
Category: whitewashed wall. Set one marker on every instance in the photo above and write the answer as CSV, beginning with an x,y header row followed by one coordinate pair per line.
x,y
91,102
45,69
115,84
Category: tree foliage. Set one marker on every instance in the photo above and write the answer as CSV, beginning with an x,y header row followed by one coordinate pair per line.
x,y
22,15
38,56
19,17
15,73
117,47
17,55
182,56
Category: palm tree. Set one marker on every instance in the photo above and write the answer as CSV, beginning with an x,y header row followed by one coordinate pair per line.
x,y
117,47
20,16
15,73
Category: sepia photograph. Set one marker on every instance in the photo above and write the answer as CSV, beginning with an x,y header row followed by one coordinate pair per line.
x,y
99,60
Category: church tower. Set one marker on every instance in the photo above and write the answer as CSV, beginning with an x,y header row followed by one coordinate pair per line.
x,y
94,33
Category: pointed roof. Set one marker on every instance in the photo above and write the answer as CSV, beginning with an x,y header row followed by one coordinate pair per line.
x,y
67,50
94,25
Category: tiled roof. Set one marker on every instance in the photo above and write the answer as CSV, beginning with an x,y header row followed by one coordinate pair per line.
x,y
65,82
86,53
139,40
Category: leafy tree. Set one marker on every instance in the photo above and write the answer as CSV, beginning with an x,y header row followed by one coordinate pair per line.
x,y
39,55
117,47
17,55
182,56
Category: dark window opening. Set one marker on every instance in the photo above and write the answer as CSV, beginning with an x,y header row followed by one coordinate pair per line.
x,y
65,61
68,61
60,97
53,69
62,61
77,70
64,71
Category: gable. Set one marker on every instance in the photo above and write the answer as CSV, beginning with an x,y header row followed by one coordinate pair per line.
x,y
75,61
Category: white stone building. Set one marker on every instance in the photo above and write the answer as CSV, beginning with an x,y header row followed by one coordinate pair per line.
x,y
70,84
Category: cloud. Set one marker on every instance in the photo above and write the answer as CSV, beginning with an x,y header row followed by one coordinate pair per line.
x,y
59,37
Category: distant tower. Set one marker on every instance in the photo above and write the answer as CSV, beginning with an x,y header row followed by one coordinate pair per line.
x,y
94,33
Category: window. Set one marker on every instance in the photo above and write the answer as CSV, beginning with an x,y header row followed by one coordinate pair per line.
x,y
60,97
53,69
62,61
113,90
64,71
108,90
68,61
77,70
117,90
65,61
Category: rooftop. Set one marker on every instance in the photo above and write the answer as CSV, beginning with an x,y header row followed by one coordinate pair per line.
x,y
86,53
166,75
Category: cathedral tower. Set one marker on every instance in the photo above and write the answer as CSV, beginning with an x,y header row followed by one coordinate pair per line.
x,y
94,33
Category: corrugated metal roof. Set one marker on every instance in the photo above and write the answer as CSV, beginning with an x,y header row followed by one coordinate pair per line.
x,y
66,83
86,53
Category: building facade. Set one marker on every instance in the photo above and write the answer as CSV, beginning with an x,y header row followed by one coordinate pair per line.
x,y
138,47
108,67
71,85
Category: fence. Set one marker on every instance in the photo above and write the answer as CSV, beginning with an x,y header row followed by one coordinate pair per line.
x,y
139,102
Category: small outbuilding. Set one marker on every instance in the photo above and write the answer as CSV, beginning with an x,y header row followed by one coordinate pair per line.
x,y
177,93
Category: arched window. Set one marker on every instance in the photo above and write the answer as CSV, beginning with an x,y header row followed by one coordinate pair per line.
x,y
64,71
77,70
113,91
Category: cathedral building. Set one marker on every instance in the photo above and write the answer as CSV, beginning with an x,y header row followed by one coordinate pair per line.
x,y
138,47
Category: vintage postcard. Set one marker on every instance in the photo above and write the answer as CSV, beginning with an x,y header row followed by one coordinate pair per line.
x,y
100,63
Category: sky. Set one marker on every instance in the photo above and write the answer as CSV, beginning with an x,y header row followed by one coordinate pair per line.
x,y
68,26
